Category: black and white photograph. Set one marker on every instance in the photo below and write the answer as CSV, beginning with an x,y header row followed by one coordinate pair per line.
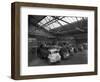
x,y
57,40
50,40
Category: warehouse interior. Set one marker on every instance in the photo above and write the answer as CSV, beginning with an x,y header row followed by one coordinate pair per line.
x,y
56,32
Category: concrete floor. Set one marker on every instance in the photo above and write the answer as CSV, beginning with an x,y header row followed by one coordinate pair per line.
x,y
77,58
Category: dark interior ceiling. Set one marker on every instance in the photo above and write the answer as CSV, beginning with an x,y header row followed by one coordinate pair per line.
x,y
70,28
35,19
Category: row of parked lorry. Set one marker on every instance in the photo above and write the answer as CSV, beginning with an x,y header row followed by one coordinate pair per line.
x,y
57,53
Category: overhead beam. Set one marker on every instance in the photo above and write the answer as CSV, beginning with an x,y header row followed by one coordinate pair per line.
x,y
51,21
57,21
62,20
38,20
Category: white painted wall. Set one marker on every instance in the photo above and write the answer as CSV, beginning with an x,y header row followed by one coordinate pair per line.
x,y
5,40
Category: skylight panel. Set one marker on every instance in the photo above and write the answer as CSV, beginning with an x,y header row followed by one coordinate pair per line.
x,y
79,18
61,22
55,24
47,28
45,20
74,19
49,17
40,23
71,20
66,19
51,26
52,22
